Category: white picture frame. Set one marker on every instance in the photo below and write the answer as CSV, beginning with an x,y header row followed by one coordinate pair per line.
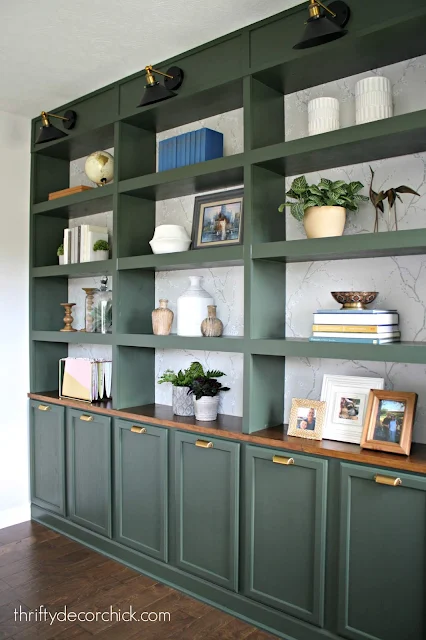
x,y
346,399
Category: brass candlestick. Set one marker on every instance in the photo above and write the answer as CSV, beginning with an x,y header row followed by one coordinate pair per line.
x,y
68,319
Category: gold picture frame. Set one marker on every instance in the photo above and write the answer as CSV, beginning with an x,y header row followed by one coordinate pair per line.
x,y
389,421
306,418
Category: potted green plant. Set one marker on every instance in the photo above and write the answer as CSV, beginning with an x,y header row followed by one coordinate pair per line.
x,y
322,207
205,390
101,249
182,403
60,253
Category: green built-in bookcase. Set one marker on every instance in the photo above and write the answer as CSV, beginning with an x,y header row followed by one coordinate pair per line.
x,y
252,68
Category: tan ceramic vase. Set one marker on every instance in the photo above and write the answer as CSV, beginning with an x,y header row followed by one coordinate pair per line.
x,y
211,327
162,319
324,222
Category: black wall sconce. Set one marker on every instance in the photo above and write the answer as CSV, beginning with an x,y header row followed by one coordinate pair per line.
x,y
324,26
156,92
48,132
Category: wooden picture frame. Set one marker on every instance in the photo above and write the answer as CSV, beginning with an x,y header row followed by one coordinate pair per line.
x,y
218,219
389,421
301,412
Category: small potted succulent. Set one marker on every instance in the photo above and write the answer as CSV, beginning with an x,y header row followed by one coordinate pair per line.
x,y
60,253
101,249
182,403
322,207
205,389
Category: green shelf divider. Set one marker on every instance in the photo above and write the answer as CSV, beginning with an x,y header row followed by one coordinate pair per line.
x,y
79,270
198,259
78,204
235,344
73,337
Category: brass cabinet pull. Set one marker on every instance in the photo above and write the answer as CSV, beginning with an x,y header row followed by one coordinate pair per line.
x,y
282,460
43,407
138,429
86,418
204,443
389,480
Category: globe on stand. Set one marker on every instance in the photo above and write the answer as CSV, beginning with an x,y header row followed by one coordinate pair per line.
x,y
99,167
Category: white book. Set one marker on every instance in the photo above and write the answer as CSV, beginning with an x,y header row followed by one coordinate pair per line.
x,y
93,237
66,246
341,334
108,377
355,318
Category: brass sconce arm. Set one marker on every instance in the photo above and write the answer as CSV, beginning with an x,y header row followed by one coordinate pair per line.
x,y
314,11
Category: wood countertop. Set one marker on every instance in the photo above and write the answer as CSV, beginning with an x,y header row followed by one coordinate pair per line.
x,y
231,427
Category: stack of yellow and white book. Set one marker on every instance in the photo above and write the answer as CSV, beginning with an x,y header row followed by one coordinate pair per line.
x,y
85,379
356,326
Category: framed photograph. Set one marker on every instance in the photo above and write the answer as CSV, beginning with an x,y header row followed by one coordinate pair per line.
x,y
218,219
389,421
346,398
306,419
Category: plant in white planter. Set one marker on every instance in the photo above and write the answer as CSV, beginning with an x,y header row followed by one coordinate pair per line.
x,y
183,404
101,249
205,390
60,253
322,207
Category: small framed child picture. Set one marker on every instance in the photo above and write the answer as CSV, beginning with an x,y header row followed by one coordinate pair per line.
x,y
306,418
218,219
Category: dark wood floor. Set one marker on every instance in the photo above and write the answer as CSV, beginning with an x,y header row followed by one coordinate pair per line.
x,y
41,567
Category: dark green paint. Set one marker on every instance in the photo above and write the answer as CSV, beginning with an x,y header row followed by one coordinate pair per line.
x,y
204,259
133,377
44,369
264,383
79,270
136,225
77,205
77,337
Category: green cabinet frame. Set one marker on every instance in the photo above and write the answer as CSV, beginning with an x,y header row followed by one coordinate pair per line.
x,y
47,456
285,531
207,508
141,487
382,556
89,470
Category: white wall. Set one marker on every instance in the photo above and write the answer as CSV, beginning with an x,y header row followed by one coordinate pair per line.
x,y
14,364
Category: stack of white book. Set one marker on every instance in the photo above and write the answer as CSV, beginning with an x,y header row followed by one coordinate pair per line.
x,y
356,326
79,241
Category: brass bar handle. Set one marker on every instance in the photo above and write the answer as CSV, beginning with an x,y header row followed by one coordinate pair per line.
x,y
282,460
389,480
138,429
86,418
204,443
43,407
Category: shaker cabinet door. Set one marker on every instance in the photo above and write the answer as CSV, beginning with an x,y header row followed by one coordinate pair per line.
x,y
285,529
207,504
47,446
89,470
140,487
382,555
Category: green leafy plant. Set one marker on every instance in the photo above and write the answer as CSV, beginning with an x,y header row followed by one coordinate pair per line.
x,y
206,386
183,378
324,194
101,245
378,199
60,251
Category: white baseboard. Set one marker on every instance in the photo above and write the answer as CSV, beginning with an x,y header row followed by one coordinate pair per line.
x,y
9,517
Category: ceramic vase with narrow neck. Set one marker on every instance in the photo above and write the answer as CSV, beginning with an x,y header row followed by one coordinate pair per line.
x,y
162,319
191,308
211,327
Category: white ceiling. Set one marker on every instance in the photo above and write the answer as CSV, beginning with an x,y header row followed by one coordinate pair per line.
x,y
52,51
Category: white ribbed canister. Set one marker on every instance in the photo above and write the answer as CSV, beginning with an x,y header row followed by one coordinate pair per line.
x,y
323,115
373,99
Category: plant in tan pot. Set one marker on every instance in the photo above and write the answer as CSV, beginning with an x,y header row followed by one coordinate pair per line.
x,y
205,390
322,207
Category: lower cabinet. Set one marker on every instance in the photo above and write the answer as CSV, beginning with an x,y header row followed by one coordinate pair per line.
x,y
207,508
89,470
382,555
47,446
285,531
140,487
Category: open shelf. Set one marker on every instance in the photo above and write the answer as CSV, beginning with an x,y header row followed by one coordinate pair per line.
x,y
79,270
78,143
232,344
198,259
363,245
72,337
78,205
408,352
195,178
397,136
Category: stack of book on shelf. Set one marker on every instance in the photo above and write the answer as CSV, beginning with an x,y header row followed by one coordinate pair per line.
x,y
79,241
85,379
356,326
190,148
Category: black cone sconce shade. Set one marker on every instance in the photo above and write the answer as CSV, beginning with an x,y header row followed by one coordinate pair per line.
x,y
325,26
156,92
48,132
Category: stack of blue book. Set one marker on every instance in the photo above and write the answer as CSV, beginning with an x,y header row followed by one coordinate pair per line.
x,y
356,326
190,148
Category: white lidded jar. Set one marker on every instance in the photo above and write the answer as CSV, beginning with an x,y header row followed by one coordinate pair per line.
x,y
191,308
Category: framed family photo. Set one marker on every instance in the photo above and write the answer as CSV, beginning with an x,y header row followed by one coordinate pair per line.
x,y
346,399
218,219
306,419
389,421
